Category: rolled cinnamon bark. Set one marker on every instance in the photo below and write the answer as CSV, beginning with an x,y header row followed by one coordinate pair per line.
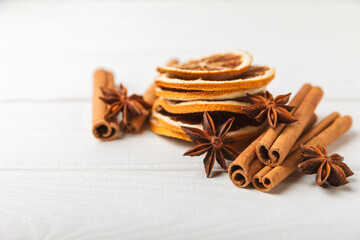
x,y
149,95
287,138
267,179
258,178
134,125
246,165
242,179
323,124
263,148
102,129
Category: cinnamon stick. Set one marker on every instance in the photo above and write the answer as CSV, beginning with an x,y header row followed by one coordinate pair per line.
x,y
149,95
262,149
315,130
244,166
324,133
242,179
257,180
285,141
102,129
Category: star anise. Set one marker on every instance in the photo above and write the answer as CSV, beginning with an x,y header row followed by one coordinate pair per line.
x,y
132,106
329,169
275,110
211,140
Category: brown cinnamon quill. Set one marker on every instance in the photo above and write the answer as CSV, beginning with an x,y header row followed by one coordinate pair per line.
x,y
285,141
263,147
324,133
242,169
273,153
102,129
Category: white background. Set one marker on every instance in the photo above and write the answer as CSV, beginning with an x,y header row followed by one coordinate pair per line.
x,y
58,182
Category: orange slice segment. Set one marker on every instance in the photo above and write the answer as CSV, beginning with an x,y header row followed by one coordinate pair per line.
x,y
253,77
188,95
164,125
200,106
217,66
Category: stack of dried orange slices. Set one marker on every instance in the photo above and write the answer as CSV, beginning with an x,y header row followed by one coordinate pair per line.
x,y
218,84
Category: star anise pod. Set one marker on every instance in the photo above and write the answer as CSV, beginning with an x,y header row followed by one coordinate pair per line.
x,y
329,169
132,106
275,110
211,140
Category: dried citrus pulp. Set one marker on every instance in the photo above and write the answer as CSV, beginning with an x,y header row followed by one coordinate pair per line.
x,y
218,84
221,65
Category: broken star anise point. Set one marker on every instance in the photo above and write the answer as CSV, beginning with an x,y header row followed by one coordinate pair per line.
x,y
275,110
329,169
211,140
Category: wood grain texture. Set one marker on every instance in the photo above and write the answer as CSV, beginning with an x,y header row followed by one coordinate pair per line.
x,y
168,205
57,135
58,182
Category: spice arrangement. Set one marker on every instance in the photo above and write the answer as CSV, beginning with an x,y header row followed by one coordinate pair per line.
x,y
109,104
221,104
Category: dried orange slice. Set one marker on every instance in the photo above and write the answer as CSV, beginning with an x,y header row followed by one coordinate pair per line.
x,y
183,107
163,124
253,77
157,127
195,95
217,66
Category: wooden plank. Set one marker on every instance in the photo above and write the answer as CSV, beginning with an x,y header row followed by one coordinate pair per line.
x,y
169,205
52,135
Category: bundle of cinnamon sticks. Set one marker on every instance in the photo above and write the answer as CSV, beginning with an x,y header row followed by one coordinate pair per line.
x,y
104,129
275,154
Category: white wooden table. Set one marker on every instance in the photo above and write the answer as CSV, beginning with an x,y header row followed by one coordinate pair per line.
x,y
58,182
